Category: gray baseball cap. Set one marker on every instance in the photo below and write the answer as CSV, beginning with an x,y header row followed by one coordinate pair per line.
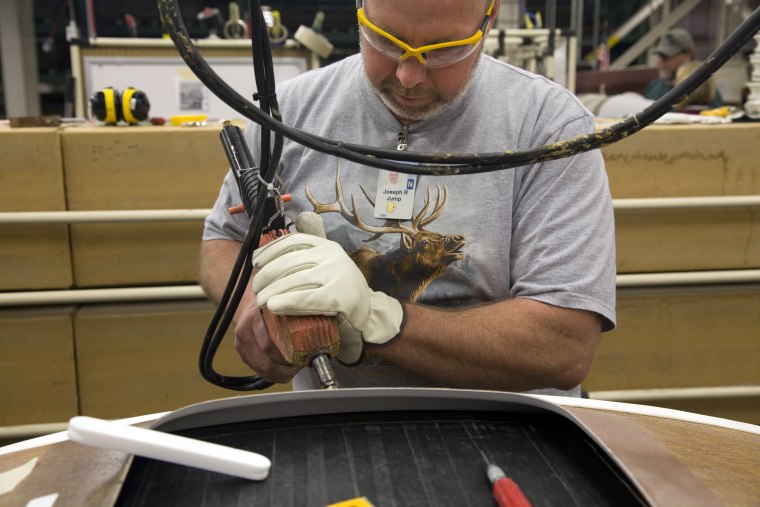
x,y
674,42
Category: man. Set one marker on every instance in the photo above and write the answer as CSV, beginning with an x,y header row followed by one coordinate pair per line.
x,y
501,280
675,61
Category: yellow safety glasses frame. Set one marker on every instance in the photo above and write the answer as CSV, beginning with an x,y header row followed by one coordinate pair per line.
x,y
441,54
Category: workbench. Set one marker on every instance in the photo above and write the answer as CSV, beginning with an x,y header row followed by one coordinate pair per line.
x,y
330,446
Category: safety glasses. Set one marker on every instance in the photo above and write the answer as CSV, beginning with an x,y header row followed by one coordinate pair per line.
x,y
442,54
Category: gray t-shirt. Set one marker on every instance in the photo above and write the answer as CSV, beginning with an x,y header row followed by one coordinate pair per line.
x,y
543,231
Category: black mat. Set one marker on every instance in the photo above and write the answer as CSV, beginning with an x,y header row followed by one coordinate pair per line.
x,y
425,458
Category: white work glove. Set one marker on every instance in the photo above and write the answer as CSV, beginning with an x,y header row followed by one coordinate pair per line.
x,y
304,274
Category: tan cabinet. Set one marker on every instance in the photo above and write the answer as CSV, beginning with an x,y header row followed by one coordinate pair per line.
x,y
31,179
142,358
133,168
38,382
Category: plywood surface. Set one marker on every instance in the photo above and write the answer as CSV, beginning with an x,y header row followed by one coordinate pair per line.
x,y
31,179
684,337
134,359
38,375
654,241
145,167
685,160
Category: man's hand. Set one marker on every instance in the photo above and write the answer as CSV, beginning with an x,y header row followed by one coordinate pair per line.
x,y
302,274
257,350
251,337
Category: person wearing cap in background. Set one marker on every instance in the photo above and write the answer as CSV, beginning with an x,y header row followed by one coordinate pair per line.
x,y
675,52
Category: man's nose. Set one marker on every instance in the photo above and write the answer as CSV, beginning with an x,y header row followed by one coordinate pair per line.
x,y
411,72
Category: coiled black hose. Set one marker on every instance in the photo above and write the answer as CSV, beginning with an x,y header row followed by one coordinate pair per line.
x,y
249,177
446,163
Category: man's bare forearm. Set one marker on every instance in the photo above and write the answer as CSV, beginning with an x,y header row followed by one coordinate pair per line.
x,y
514,345
217,259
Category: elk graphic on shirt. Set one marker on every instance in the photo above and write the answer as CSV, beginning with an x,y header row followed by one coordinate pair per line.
x,y
422,255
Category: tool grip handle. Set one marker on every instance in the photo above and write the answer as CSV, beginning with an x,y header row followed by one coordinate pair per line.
x,y
300,338
508,494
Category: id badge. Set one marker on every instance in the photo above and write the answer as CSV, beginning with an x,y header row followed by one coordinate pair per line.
x,y
395,195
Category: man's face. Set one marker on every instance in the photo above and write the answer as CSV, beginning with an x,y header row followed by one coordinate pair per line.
x,y
412,91
668,66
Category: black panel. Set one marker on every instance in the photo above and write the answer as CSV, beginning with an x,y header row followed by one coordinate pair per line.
x,y
400,459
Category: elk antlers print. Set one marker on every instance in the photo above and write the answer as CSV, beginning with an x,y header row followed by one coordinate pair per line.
x,y
422,255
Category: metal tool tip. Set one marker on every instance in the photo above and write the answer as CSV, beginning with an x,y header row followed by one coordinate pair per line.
x,y
494,473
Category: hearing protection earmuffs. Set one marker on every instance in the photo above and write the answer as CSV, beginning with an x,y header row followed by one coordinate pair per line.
x,y
110,106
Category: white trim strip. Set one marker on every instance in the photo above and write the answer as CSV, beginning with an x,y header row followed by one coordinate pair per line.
x,y
62,436
78,296
118,42
667,413
688,278
104,216
30,430
169,215
659,203
681,393
127,294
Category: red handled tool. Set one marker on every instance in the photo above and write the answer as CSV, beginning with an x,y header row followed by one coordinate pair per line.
x,y
506,491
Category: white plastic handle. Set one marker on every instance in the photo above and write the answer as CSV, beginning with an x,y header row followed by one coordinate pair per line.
x,y
167,447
